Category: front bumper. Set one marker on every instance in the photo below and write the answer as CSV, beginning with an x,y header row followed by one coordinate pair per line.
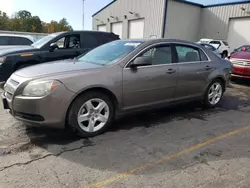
x,y
49,111
241,72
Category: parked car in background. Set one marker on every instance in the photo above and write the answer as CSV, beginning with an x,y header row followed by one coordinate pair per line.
x,y
241,48
123,76
241,62
211,48
56,46
12,40
221,45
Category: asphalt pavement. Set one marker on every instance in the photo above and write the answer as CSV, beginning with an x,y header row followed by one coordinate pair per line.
x,y
181,146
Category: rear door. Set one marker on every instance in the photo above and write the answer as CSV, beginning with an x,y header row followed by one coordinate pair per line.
x,y
194,68
89,41
154,84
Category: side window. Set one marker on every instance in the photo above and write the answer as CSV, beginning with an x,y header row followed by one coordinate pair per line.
x,y
4,40
209,47
215,42
68,42
187,53
90,40
159,54
203,56
19,41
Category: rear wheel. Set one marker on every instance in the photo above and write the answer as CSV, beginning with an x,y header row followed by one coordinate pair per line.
x,y
214,93
90,114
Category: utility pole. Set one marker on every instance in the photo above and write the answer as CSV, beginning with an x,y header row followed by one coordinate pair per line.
x,y
83,14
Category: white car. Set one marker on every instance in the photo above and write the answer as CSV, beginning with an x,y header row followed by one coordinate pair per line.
x,y
12,40
221,45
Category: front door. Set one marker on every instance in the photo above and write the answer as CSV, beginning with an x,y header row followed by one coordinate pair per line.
x,y
69,47
154,84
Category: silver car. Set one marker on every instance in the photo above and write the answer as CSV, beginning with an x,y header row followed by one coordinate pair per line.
x,y
88,92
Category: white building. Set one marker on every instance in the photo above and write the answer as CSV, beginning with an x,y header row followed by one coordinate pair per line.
x,y
176,19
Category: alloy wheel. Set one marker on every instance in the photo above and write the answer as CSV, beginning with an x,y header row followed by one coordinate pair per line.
x,y
215,93
93,115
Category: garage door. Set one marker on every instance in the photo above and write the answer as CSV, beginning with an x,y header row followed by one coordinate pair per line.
x,y
239,32
117,28
101,28
136,29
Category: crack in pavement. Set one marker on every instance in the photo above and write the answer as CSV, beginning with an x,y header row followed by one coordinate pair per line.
x,y
43,157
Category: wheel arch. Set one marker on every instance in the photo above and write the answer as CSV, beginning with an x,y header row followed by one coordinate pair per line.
x,y
100,89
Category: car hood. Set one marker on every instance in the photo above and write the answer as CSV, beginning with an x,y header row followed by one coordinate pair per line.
x,y
6,50
241,55
54,68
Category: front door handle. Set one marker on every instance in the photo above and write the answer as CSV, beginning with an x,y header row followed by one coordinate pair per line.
x,y
208,67
171,71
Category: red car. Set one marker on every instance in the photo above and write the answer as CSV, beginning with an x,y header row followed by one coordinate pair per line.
x,y
241,62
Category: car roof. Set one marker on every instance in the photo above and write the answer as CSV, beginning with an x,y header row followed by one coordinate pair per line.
x,y
15,35
161,40
83,31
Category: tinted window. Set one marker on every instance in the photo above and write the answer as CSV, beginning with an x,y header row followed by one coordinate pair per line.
x,y
159,54
4,40
20,41
106,37
215,42
90,40
225,43
187,53
203,56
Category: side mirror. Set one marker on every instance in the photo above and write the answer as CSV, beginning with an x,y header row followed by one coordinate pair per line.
x,y
52,47
141,61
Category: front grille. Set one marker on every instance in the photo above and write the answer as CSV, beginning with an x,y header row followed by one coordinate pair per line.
x,y
241,62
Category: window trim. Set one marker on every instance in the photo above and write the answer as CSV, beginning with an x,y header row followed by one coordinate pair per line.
x,y
145,49
191,46
172,44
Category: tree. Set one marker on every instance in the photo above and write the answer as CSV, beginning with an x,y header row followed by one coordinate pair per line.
x,y
24,21
3,21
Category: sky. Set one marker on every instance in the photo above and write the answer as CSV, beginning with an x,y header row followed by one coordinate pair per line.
x,y
72,10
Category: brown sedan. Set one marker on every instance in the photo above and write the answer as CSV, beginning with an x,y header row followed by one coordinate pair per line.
x,y
87,93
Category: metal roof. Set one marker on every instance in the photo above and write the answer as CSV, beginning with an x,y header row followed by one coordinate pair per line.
x,y
188,2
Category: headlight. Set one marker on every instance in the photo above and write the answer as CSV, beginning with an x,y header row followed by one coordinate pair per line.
x,y
2,60
40,88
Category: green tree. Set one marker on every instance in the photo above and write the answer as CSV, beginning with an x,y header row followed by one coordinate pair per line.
x,y
24,21
4,19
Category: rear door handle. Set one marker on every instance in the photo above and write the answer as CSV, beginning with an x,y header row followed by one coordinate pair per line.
x,y
171,71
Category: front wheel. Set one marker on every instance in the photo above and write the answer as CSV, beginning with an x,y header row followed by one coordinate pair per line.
x,y
90,114
213,94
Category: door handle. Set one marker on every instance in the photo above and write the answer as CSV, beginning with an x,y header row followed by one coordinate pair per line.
x,y
208,67
170,71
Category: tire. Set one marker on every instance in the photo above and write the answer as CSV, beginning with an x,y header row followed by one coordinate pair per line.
x,y
90,125
224,54
215,100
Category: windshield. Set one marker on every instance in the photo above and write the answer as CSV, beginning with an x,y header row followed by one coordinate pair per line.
x,y
110,53
39,43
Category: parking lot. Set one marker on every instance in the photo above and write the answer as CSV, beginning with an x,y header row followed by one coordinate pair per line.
x,y
182,146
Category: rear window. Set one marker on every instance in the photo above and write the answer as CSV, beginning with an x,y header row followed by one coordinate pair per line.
x,y
225,43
